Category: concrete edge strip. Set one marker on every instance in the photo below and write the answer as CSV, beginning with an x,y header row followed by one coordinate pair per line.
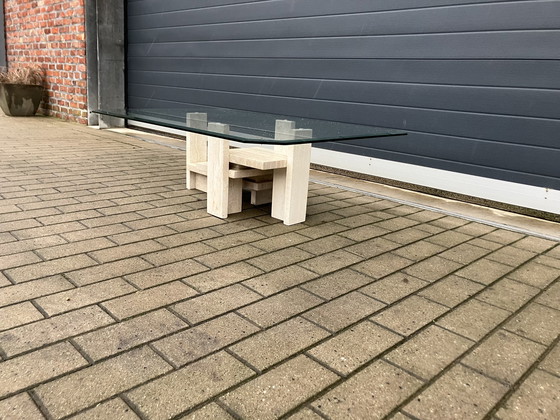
x,y
438,210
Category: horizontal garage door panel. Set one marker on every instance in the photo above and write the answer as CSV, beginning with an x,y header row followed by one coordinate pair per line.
x,y
507,129
456,19
495,45
508,101
473,82
150,13
542,74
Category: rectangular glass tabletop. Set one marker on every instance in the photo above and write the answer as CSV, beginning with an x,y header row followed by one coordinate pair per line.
x,y
248,126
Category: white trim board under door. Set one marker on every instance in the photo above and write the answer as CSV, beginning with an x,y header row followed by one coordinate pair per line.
x,y
538,198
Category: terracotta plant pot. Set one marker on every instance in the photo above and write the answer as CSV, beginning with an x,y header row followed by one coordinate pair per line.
x,y
20,100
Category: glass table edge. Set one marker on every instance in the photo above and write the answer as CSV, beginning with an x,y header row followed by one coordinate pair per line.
x,y
125,116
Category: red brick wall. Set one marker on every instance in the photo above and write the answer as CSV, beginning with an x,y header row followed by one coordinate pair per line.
x,y
51,34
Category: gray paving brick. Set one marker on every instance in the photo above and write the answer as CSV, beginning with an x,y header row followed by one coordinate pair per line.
x,y
508,294
343,311
74,248
383,265
419,250
503,236
19,314
549,261
409,315
373,247
216,303
407,236
126,251
165,274
552,362
536,322
69,217
504,356
195,224
84,234
194,343
464,253
551,297
393,287
449,239
277,308
432,269
536,398
429,352
451,291
534,274
511,256
325,245
273,394
223,276
354,347
473,319
83,296
20,407
33,289
124,335
534,244
25,371
449,222
330,262
271,346
276,281
49,268
460,393
319,227
20,227
235,239
279,259
180,253
146,300
115,409
108,271
51,330
179,239
17,260
336,284
484,271
229,256
87,387
167,396
371,394
210,411
280,241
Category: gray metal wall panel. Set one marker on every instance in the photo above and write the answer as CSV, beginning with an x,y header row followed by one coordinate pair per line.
x,y
475,83
3,62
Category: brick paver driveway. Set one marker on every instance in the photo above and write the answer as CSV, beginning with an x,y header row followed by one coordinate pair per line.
x,y
121,298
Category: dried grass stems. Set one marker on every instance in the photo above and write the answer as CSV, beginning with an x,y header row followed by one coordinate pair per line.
x,y
22,76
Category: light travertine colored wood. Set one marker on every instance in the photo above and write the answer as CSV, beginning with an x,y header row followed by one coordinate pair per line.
x,y
239,172
218,179
196,150
258,157
290,185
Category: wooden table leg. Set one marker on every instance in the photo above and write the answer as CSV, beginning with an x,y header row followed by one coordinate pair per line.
x,y
290,185
218,180
196,150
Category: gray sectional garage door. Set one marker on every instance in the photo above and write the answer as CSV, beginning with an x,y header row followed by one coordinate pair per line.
x,y
475,83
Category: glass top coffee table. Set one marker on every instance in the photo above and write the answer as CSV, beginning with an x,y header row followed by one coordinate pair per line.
x,y
277,175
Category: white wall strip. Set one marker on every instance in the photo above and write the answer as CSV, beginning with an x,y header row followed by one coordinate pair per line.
x,y
529,196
